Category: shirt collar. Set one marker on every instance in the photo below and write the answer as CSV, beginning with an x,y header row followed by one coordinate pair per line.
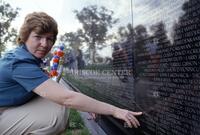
x,y
39,60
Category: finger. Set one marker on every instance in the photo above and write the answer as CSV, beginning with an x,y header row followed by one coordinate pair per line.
x,y
133,123
136,113
90,116
94,115
134,120
129,123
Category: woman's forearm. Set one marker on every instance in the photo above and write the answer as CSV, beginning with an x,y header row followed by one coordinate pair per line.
x,y
59,94
85,103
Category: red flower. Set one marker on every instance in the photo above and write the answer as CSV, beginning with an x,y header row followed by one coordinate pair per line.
x,y
60,53
54,73
55,60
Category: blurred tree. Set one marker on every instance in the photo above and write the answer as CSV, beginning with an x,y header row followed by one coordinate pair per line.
x,y
126,33
74,39
140,51
160,33
126,38
7,15
95,22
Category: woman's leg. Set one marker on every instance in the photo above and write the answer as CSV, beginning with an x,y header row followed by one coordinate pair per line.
x,y
39,116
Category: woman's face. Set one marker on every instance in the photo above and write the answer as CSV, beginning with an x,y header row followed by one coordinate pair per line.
x,y
39,45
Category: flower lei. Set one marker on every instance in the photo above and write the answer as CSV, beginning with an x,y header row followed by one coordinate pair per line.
x,y
57,63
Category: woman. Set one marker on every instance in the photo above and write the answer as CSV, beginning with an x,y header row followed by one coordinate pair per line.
x,y
22,80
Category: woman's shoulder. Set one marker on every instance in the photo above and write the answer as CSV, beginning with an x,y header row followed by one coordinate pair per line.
x,y
22,53
19,54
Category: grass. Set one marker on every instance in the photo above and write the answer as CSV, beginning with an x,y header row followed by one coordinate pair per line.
x,y
76,124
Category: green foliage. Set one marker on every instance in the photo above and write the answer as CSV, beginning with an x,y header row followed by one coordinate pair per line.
x,y
83,131
76,124
75,120
7,15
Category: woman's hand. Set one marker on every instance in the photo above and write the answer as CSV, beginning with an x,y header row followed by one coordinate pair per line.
x,y
93,116
127,116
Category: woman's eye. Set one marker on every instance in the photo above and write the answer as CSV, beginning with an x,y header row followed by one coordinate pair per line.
x,y
38,37
50,39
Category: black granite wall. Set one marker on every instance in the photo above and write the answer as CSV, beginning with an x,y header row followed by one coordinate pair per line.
x,y
155,69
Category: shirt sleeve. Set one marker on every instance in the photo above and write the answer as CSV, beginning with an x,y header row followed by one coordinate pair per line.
x,y
28,75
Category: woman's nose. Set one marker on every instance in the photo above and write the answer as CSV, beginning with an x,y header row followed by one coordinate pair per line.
x,y
44,41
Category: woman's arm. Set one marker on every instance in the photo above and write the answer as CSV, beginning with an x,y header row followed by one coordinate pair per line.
x,y
59,94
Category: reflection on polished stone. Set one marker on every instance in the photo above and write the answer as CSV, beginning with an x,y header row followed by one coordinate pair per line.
x,y
154,68
167,61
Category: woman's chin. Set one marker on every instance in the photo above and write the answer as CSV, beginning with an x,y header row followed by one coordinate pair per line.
x,y
41,55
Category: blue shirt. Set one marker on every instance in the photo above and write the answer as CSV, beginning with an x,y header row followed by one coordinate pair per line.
x,y
20,73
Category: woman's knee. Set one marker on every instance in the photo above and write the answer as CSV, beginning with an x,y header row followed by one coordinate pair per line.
x,y
48,118
52,124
